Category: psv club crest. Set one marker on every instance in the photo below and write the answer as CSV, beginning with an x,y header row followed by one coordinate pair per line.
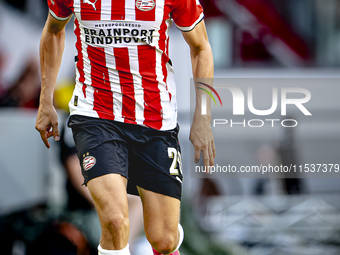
x,y
145,5
89,162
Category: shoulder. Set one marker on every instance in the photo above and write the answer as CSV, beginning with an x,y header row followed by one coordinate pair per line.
x,y
187,14
60,9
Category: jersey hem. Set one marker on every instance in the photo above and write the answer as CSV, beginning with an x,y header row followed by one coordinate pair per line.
x,y
118,120
59,18
187,29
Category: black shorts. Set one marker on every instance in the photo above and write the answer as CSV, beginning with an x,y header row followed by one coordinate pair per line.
x,y
148,158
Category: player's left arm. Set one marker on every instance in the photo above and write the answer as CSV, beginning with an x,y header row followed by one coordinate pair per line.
x,y
203,67
51,50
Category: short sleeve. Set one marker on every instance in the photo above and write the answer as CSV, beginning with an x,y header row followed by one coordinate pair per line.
x,y
187,14
58,10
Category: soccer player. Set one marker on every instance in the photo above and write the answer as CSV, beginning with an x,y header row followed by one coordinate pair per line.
x,y
123,109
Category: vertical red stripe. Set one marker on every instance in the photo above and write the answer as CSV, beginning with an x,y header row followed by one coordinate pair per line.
x,y
164,47
117,9
126,83
90,9
80,62
152,100
103,97
143,12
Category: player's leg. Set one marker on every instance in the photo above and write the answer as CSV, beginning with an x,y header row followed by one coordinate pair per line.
x,y
155,169
103,156
110,198
161,218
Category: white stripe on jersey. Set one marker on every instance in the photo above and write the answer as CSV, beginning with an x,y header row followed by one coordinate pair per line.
x,y
87,66
168,23
130,13
115,84
171,118
76,6
105,13
164,96
137,81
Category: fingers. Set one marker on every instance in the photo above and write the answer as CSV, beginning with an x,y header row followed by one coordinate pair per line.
x,y
209,153
213,148
51,130
44,134
197,154
55,131
203,141
206,159
47,124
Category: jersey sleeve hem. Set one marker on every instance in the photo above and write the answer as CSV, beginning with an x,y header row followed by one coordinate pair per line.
x,y
59,18
187,29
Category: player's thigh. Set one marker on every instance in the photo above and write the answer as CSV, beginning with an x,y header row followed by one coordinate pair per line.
x,y
161,214
109,196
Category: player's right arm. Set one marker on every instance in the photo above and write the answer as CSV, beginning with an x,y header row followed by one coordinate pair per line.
x,y
188,17
51,50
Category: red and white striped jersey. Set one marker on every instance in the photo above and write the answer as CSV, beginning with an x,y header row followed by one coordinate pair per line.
x,y
123,70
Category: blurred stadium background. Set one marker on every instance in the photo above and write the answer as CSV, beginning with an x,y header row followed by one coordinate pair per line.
x,y
250,39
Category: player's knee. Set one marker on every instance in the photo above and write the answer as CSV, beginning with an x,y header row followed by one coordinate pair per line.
x,y
116,223
165,243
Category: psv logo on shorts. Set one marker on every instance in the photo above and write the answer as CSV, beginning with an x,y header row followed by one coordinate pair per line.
x,y
145,5
89,162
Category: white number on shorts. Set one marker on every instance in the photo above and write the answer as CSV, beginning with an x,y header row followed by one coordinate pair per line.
x,y
176,155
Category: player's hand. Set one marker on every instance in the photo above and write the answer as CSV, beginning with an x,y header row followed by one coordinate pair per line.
x,y
47,123
202,139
